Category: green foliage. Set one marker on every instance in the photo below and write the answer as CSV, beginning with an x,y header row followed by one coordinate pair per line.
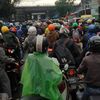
x,y
64,6
7,8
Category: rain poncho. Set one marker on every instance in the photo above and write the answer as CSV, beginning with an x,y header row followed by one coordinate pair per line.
x,y
41,76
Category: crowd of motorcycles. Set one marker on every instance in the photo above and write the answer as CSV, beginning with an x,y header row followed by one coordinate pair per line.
x,y
71,87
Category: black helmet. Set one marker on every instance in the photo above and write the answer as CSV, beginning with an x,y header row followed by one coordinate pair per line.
x,y
94,44
40,44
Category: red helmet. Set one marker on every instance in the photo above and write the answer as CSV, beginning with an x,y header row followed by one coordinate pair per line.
x,y
51,27
13,29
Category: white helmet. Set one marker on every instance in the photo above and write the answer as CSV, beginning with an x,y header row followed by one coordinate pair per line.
x,y
32,30
40,44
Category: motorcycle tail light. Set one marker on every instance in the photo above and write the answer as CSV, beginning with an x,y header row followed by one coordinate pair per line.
x,y
71,72
9,50
50,50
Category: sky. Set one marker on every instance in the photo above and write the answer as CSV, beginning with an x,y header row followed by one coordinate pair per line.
x,y
40,2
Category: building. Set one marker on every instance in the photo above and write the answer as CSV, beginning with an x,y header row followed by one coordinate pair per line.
x,y
34,10
34,13
83,8
95,8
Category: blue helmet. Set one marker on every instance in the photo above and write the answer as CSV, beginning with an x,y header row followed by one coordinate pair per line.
x,y
92,28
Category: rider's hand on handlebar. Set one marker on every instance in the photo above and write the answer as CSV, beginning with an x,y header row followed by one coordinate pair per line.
x,y
81,76
12,59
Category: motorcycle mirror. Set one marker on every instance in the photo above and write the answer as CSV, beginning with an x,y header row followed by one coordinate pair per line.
x,y
66,67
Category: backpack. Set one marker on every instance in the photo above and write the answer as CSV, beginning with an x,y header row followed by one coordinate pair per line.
x,y
76,36
63,54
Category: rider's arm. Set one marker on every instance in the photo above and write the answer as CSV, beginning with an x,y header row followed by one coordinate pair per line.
x,y
25,44
4,58
83,66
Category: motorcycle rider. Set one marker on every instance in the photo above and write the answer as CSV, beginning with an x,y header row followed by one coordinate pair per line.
x,y
42,74
28,43
4,80
73,54
69,44
52,36
91,32
8,37
11,41
90,65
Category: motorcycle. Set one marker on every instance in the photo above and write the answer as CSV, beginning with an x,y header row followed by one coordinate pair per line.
x,y
13,70
70,76
12,53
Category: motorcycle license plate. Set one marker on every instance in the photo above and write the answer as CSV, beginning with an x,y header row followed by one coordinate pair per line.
x,y
73,86
72,82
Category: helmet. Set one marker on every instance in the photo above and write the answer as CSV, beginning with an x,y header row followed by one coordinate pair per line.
x,y
13,29
64,31
40,44
32,30
11,24
75,25
91,28
94,44
4,29
81,20
51,27
57,26
89,21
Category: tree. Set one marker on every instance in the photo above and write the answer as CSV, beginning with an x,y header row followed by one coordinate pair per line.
x,y
7,8
64,6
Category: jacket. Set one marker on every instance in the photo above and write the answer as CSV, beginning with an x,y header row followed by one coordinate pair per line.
x,y
91,66
72,48
3,59
28,44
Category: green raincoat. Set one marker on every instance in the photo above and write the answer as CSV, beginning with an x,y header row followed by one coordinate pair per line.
x,y
41,76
